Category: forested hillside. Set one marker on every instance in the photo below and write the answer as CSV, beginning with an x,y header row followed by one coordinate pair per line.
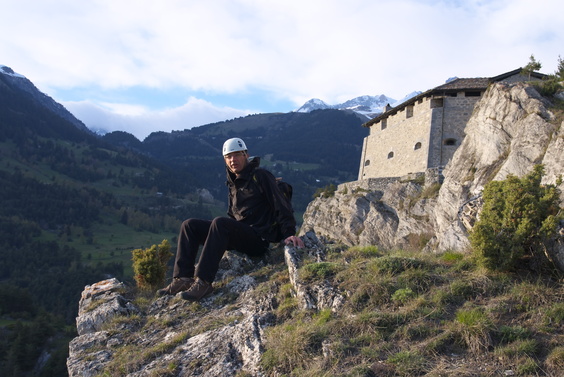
x,y
72,208
309,150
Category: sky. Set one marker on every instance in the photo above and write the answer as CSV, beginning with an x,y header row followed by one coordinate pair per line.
x,y
145,65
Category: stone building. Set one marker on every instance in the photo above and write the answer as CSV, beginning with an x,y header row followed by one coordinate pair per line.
x,y
423,132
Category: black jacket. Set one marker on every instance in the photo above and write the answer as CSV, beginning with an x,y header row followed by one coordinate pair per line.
x,y
255,199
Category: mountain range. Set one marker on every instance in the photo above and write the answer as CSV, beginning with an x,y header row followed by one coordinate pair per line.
x,y
366,106
311,147
40,98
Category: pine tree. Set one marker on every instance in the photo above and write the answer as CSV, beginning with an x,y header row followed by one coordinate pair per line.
x,y
518,217
149,265
560,69
531,67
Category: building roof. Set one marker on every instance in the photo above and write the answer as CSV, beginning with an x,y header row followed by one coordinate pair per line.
x,y
464,84
456,85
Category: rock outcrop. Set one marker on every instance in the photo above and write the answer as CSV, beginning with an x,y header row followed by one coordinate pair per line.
x,y
387,213
511,130
223,335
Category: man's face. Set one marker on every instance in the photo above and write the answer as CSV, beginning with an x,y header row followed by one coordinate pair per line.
x,y
236,161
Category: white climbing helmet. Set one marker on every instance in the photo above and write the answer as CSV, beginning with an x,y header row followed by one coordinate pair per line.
x,y
233,145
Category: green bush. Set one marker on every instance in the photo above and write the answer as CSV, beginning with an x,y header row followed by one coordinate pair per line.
x,y
475,328
518,217
408,363
318,271
149,265
548,87
325,192
396,265
509,334
403,295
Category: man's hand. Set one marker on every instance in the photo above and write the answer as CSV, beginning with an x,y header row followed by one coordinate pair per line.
x,y
296,241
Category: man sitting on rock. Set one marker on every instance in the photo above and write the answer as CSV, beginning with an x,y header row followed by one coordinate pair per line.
x,y
258,214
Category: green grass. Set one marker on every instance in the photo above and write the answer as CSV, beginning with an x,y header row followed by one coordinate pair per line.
x,y
414,311
111,243
403,315
299,166
7,322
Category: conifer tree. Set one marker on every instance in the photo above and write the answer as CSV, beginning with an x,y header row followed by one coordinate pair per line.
x,y
559,73
531,67
518,217
149,265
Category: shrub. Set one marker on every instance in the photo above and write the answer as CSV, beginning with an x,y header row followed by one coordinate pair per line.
x,y
318,271
519,215
452,256
408,363
149,265
362,252
475,328
395,265
511,334
555,359
548,87
325,192
291,346
403,295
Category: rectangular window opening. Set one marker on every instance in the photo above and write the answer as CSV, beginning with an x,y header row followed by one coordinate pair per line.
x,y
436,102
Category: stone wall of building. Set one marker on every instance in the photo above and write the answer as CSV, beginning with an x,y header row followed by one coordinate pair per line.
x,y
447,127
398,145
418,137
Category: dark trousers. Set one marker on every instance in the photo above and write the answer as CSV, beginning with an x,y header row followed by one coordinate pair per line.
x,y
216,236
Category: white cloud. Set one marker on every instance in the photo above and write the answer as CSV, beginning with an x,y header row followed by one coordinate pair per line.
x,y
290,49
140,121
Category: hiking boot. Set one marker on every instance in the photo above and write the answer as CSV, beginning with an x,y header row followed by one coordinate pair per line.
x,y
177,285
197,291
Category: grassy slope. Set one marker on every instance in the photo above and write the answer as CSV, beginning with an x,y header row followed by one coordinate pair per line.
x,y
404,314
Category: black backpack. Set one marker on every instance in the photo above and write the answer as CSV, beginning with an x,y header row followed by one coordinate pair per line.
x,y
285,189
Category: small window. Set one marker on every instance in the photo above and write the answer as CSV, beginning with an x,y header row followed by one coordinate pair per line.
x,y
409,111
449,142
417,146
367,162
390,155
384,124
436,102
472,94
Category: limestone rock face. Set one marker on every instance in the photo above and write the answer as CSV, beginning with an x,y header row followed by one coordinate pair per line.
x,y
99,303
222,335
510,131
389,215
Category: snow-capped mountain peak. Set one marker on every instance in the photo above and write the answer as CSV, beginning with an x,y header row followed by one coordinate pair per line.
x,y
20,82
365,105
313,104
9,71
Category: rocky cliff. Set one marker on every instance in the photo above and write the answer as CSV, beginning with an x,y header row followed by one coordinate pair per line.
x,y
511,129
223,335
